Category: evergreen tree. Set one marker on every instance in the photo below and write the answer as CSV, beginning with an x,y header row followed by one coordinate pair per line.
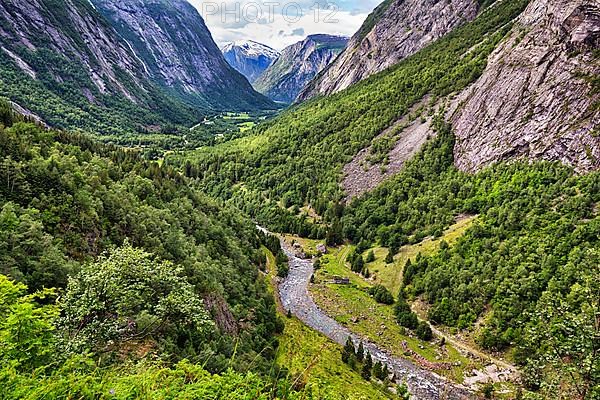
x,y
358,264
378,371
367,367
424,331
370,257
404,315
360,353
389,259
334,234
348,351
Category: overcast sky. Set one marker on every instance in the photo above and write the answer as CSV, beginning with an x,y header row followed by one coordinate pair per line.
x,y
281,23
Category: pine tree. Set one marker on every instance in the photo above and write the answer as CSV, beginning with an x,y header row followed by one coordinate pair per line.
x,y
369,360
349,350
360,353
367,367
389,259
358,264
370,257
378,371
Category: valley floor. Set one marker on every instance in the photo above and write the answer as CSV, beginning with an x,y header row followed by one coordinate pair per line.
x,y
339,311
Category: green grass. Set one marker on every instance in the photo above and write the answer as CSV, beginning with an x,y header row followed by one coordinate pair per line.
x,y
314,361
353,307
390,275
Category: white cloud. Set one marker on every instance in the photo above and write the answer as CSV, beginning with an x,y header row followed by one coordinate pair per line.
x,y
281,23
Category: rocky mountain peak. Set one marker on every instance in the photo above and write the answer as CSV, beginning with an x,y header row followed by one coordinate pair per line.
x,y
395,30
248,57
176,46
298,64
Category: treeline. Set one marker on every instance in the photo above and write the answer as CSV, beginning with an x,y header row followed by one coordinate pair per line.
x,y
281,259
66,200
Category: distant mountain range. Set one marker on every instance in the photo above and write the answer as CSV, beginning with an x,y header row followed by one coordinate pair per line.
x,y
297,65
250,58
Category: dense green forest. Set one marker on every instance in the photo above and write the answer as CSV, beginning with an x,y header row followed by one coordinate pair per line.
x,y
33,364
71,210
535,244
296,159
526,271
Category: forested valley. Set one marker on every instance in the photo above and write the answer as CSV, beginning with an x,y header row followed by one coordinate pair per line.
x,y
136,259
120,259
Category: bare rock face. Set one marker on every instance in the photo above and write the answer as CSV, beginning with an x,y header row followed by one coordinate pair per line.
x,y
297,65
73,29
179,53
250,58
539,96
396,30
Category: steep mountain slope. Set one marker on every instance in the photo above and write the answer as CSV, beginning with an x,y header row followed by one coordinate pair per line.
x,y
297,65
522,279
176,47
395,30
73,199
63,62
298,157
250,58
539,98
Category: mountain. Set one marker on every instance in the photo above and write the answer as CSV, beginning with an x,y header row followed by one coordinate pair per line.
x,y
64,63
250,58
297,65
177,49
395,30
539,97
521,275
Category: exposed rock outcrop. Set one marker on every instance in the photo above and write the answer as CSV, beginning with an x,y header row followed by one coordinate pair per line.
x,y
396,30
539,96
75,30
297,65
172,40
250,58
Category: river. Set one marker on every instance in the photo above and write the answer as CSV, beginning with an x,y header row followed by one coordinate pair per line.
x,y
295,297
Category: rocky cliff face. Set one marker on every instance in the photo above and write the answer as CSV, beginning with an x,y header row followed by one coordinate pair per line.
x,y
297,65
73,29
539,96
250,58
394,31
178,51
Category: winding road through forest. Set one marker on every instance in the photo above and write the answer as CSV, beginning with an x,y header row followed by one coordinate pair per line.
x,y
295,297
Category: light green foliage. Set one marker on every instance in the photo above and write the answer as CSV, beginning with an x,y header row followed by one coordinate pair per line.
x,y
565,333
26,327
128,295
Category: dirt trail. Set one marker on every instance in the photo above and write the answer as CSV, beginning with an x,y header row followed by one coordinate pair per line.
x,y
295,297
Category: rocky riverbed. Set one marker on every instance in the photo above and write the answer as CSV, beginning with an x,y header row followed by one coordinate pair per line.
x,y
296,298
